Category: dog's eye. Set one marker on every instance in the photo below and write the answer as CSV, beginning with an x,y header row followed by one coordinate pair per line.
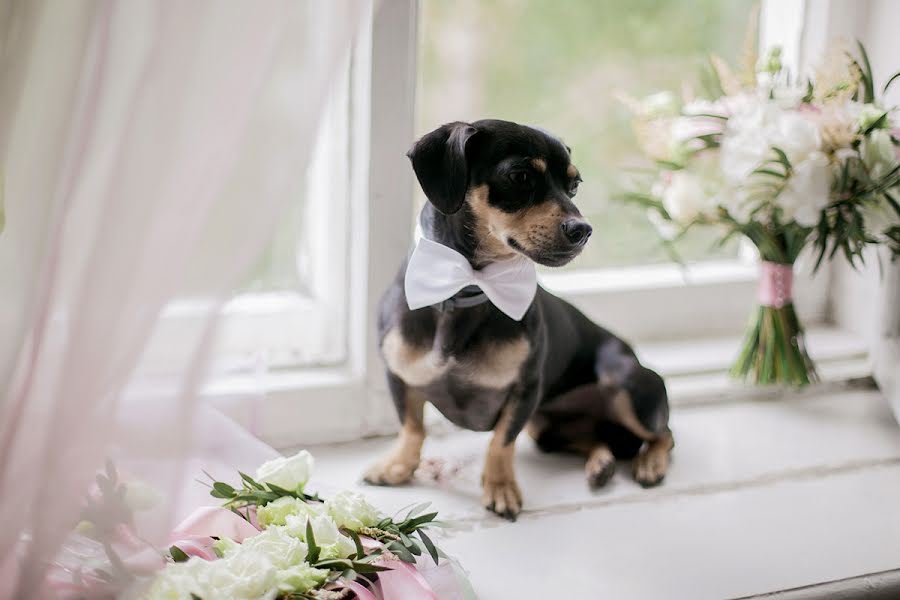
x,y
573,187
521,178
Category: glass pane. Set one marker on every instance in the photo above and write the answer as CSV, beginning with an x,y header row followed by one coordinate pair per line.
x,y
558,65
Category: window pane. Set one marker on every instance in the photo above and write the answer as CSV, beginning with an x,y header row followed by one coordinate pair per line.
x,y
557,64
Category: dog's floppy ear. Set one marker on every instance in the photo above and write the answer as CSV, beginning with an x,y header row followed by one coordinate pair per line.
x,y
439,160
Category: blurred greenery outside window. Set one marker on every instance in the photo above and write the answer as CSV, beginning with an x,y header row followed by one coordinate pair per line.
x,y
558,64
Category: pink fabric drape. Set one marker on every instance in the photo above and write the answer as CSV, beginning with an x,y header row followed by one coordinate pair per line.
x,y
141,143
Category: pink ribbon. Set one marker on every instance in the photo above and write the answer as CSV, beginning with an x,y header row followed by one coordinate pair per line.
x,y
775,284
214,521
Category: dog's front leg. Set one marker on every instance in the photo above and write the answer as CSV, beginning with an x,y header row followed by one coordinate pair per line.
x,y
500,490
403,459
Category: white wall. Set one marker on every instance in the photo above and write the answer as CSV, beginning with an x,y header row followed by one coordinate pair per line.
x,y
867,300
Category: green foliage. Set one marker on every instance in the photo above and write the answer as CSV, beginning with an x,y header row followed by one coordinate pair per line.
x,y
253,493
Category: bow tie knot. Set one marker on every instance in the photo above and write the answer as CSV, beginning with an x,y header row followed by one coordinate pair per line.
x,y
435,273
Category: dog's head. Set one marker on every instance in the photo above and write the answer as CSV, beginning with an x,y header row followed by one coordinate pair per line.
x,y
515,184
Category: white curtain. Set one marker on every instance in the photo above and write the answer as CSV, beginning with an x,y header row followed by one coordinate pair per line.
x,y
142,144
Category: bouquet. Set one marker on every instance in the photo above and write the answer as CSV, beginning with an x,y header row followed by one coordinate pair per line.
x,y
785,163
272,539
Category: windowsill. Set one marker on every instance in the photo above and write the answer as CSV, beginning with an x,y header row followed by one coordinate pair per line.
x,y
695,372
760,497
645,277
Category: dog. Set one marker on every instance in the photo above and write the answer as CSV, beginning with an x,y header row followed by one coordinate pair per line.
x,y
498,190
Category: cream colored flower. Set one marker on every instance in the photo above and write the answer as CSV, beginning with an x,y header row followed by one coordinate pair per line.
x,y
290,473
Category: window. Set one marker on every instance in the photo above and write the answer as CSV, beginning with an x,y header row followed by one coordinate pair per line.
x,y
560,65
299,359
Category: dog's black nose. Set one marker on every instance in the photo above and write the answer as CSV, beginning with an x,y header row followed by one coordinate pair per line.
x,y
576,230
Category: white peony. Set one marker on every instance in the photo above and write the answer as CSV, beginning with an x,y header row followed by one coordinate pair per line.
x,y
758,126
334,544
806,191
290,473
276,513
352,511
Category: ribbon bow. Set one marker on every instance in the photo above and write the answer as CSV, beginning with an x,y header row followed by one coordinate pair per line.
x,y
435,273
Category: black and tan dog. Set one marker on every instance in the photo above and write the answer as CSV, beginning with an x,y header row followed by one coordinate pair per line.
x,y
498,189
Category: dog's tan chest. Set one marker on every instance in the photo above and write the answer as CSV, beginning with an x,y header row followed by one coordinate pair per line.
x,y
490,364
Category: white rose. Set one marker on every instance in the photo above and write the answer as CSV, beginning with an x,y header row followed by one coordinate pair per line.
x,y
290,473
245,575
300,578
276,513
878,154
351,510
684,198
807,190
280,548
334,544
178,581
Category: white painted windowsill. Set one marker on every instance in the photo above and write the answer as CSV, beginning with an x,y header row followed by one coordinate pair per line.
x,y
761,496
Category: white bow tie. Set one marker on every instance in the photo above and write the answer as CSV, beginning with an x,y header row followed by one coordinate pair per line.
x,y
435,273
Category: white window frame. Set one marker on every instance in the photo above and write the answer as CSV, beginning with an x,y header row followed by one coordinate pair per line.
x,y
350,400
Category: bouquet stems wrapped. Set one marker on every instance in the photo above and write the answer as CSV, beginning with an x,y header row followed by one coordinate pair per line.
x,y
774,348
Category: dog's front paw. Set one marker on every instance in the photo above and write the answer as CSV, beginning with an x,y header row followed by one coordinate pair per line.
x,y
599,469
391,471
502,497
650,467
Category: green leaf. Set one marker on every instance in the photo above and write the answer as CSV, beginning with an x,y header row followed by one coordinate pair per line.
x,y
782,158
401,551
889,82
668,164
178,554
879,123
280,490
429,545
368,568
250,481
223,488
413,523
312,554
417,509
360,550
868,82
770,172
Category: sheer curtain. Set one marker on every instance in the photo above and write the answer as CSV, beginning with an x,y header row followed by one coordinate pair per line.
x,y
142,143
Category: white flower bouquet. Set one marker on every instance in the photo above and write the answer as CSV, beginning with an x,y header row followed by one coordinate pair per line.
x,y
272,539
787,164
